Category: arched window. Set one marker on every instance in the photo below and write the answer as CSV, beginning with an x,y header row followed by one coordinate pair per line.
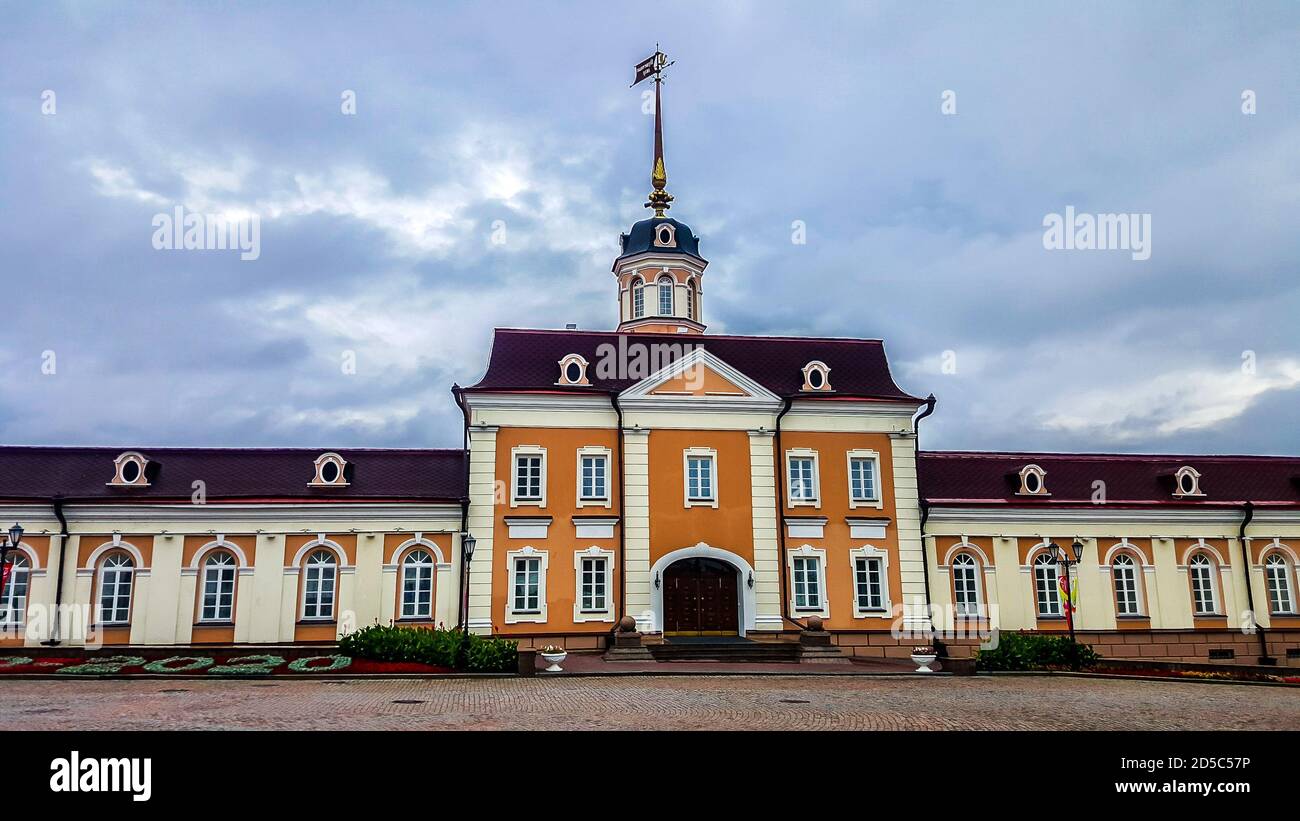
x,y
1047,585
1124,573
690,301
1200,571
13,610
966,584
218,587
665,296
417,585
318,585
115,577
638,298
1281,596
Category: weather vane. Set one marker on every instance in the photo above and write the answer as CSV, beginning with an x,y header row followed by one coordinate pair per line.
x,y
660,200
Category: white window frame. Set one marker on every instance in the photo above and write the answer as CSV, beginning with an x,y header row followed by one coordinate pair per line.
x,y
7,608
809,552
573,359
976,566
589,452
1211,578
692,298
580,615
1135,568
698,453
638,296
809,454
130,572
1275,559
307,566
432,567
1057,596
874,456
514,616
515,453
668,283
866,553
340,464
220,571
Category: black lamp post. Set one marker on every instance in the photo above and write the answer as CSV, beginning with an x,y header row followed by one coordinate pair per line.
x,y
1063,559
11,540
467,543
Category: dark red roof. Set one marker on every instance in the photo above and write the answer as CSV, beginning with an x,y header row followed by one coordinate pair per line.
x,y
959,477
525,360
232,474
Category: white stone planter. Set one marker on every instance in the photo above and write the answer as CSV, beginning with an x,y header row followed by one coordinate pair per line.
x,y
923,661
554,660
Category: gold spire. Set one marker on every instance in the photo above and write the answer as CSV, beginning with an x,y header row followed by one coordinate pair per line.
x,y
660,200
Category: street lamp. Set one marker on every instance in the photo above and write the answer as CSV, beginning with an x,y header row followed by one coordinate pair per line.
x,y
11,540
1063,559
467,542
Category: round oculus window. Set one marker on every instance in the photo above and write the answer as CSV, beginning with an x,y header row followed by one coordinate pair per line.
x,y
816,379
329,472
1187,482
130,471
1032,482
573,373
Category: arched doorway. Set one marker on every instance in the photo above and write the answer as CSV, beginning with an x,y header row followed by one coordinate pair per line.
x,y
701,598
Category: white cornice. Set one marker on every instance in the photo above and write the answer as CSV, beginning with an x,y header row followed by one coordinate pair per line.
x,y
1084,515
820,407
247,512
533,401
651,259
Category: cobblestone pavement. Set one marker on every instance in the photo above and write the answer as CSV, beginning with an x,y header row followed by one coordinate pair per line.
x,y
668,703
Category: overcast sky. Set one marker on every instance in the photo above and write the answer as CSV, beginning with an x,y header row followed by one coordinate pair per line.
x,y
924,228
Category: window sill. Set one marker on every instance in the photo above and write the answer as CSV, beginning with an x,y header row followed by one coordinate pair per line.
x,y
214,624
316,622
1132,618
1042,617
415,620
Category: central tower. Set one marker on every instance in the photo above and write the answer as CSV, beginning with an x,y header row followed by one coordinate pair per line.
x,y
659,269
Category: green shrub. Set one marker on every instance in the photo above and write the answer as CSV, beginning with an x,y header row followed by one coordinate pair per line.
x,y
440,647
1033,651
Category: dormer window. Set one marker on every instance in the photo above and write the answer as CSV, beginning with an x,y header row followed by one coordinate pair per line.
x,y
1033,481
1187,482
816,376
665,236
129,470
573,370
331,471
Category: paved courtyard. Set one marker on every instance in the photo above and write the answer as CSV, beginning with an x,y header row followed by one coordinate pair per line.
x,y
668,703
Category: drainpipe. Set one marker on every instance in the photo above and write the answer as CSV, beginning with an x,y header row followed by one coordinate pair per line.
x,y
621,599
462,614
54,640
930,402
779,475
1248,513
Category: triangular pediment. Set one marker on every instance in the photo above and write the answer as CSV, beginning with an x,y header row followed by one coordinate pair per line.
x,y
700,377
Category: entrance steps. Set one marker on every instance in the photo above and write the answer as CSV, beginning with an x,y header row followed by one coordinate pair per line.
x,y
733,650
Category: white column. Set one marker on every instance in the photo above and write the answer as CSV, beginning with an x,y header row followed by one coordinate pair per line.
x,y
767,549
368,604
636,528
267,588
164,592
482,522
911,551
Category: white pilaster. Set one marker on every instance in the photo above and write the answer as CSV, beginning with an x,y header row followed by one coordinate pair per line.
x,y
767,550
482,521
636,526
907,519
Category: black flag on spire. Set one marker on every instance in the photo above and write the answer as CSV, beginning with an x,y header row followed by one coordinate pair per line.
x,y
647,67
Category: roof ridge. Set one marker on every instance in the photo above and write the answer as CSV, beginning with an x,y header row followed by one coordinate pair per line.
x,y
691,337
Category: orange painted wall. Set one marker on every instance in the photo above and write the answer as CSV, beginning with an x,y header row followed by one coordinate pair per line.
x,y
730,526
561,505
833,474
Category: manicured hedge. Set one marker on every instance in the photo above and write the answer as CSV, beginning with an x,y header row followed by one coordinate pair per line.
x,y
438,646
1033,651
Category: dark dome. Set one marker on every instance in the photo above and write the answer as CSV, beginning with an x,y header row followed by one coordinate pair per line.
x,y
642,238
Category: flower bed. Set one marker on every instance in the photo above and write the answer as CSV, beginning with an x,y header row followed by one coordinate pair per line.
x,y
218,665
1201,675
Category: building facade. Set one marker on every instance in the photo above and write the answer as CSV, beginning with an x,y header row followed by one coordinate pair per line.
x,y
698,484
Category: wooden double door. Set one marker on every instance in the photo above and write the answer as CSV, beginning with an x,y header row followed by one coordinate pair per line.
x,y
700,598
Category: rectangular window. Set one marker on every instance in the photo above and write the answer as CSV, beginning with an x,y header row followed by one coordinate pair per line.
x,y
699,478
218,592
595,486
869,583
1203,589
803,485
15,594
318,592
115,595
862,479
527,585
1047,588
807,583
528,477
592,585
